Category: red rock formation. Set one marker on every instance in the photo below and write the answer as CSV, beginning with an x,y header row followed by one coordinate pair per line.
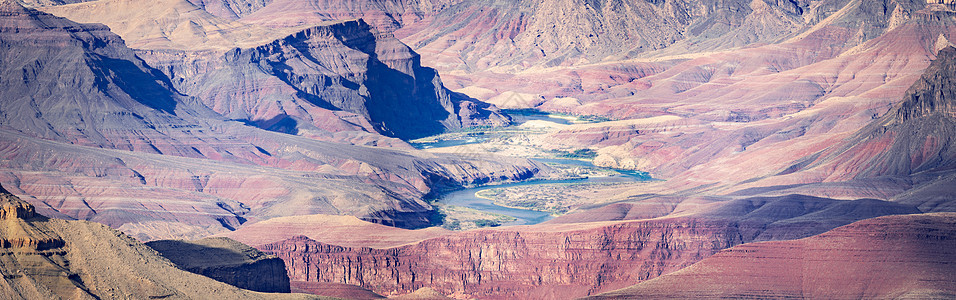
x,y
344,291
912,256
534,262
227,261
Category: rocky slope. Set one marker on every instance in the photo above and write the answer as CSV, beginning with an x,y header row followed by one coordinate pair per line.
x,y
915,137
230,9
48,258
486,34
89,131
887,257
774,217
911,144
905,156
333,78
227,261
743,78
386,16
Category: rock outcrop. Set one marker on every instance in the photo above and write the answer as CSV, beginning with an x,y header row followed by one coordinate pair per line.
x,y
43,258
89,131
909,257
335,77
228,261
556,262
558,259
916,136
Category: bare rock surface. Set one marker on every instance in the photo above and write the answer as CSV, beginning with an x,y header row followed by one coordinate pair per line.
x,y
90,131
49,258
557,261
230,9
343,291
228,261
888,257
280,78
339,230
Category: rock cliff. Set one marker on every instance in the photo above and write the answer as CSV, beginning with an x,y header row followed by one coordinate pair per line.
x,y
563,258
52,259
328,78
555,262
888,257
228,261
89,131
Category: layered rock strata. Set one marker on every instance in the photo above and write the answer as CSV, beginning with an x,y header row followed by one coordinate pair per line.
x,y
556,262
89,131
900,257
44,258
316,79
228,261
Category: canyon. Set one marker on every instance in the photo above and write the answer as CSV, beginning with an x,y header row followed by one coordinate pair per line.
x,y
777,139
127,149
53,259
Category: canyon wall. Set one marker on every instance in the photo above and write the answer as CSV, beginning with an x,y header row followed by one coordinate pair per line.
x,y
227,261
515,263
89,131
316,80
45,258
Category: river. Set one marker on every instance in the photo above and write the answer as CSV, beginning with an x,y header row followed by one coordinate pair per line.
x,y
468,197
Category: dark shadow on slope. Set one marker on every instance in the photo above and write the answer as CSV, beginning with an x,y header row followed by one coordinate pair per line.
x,y
148,88
227,261
281,123
799,216
399,104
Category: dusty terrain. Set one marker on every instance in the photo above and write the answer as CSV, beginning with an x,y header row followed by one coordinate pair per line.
x,y
126,148
288,126
49,258
887,257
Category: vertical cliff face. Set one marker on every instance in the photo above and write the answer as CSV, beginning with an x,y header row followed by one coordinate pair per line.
x,y
228,261
348,67
509,264
314,80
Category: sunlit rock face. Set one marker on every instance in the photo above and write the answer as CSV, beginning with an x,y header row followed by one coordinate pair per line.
x,y
318,79
887,257
562,262
55,259
90,131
